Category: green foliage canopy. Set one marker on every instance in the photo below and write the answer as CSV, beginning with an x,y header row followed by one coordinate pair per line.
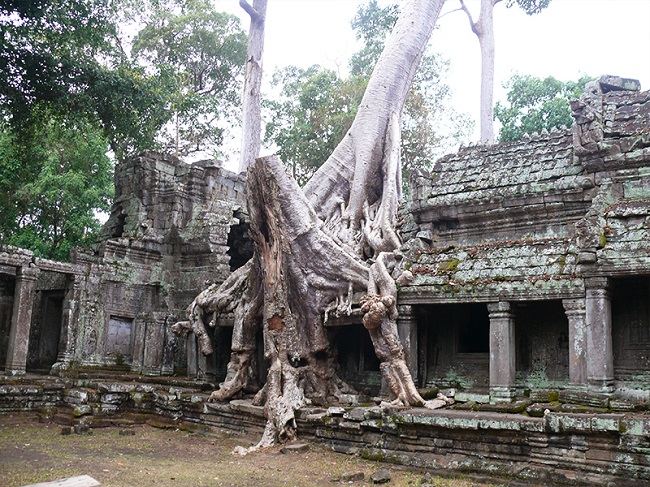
x,y
204,51
65,56
52,187
534,104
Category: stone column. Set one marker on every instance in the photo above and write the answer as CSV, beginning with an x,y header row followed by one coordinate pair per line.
x,y
502,352
68,325
140,325
21,320
154,343
408,333
575,313
600,356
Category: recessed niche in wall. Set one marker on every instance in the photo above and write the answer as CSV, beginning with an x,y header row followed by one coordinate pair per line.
x,y
118,338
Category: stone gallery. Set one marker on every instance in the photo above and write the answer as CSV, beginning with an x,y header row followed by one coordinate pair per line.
x,y
525,288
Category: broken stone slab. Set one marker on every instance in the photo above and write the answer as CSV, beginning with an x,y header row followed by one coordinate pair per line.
x,y
336,411
539,409
544,395
595,399
79,481
381,477
117,387
82,410
616,83
356,414
517,406
353,477
247,407
81,429
295,448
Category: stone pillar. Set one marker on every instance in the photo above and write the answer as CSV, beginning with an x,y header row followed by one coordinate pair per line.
x,y
153,345
575,313
600,356
170,347
140,325
68,325
21,320
192,356
408,333
502,352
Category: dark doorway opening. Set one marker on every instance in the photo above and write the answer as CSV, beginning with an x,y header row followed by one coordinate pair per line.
x,y
542,343
45,332
7,287
631,328
453,345
359,365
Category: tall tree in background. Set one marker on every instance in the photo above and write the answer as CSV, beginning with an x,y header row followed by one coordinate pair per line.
x,y
203,51
483,27
536,104
316,106
70,92
252,97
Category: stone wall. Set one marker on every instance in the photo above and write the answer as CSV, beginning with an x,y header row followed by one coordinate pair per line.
x,y
547,448
546,233
167,238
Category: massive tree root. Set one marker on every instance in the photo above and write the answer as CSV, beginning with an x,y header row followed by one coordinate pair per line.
x,y
315,248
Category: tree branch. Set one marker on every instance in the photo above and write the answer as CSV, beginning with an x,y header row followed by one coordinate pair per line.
x,y
472,24
450,12
254,14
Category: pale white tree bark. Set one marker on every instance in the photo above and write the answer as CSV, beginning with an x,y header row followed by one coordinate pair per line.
x,y
252,98
315,248
484,30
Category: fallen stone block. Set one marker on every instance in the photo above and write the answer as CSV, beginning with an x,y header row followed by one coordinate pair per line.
x,y
79,481
381,477
295,448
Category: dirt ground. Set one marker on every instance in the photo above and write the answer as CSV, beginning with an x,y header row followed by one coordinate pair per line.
x,y
33,452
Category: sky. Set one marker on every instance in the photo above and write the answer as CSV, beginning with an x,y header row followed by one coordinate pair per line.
x,y
567,40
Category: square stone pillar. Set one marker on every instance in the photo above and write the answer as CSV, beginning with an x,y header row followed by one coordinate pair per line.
x,y
68,324
502,352
408,333
154,344
600,356
139,331
575,313
21,320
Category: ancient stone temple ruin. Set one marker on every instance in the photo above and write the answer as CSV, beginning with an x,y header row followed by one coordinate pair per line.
x,y
530,292
174,228
531,260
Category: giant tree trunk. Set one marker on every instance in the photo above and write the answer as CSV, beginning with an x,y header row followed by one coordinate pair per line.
x,y
251,100
313,251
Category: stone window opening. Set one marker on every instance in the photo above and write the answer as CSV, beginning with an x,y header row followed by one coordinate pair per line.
x,y
118,230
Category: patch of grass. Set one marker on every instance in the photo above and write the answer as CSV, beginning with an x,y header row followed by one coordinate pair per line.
x,y
32,452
